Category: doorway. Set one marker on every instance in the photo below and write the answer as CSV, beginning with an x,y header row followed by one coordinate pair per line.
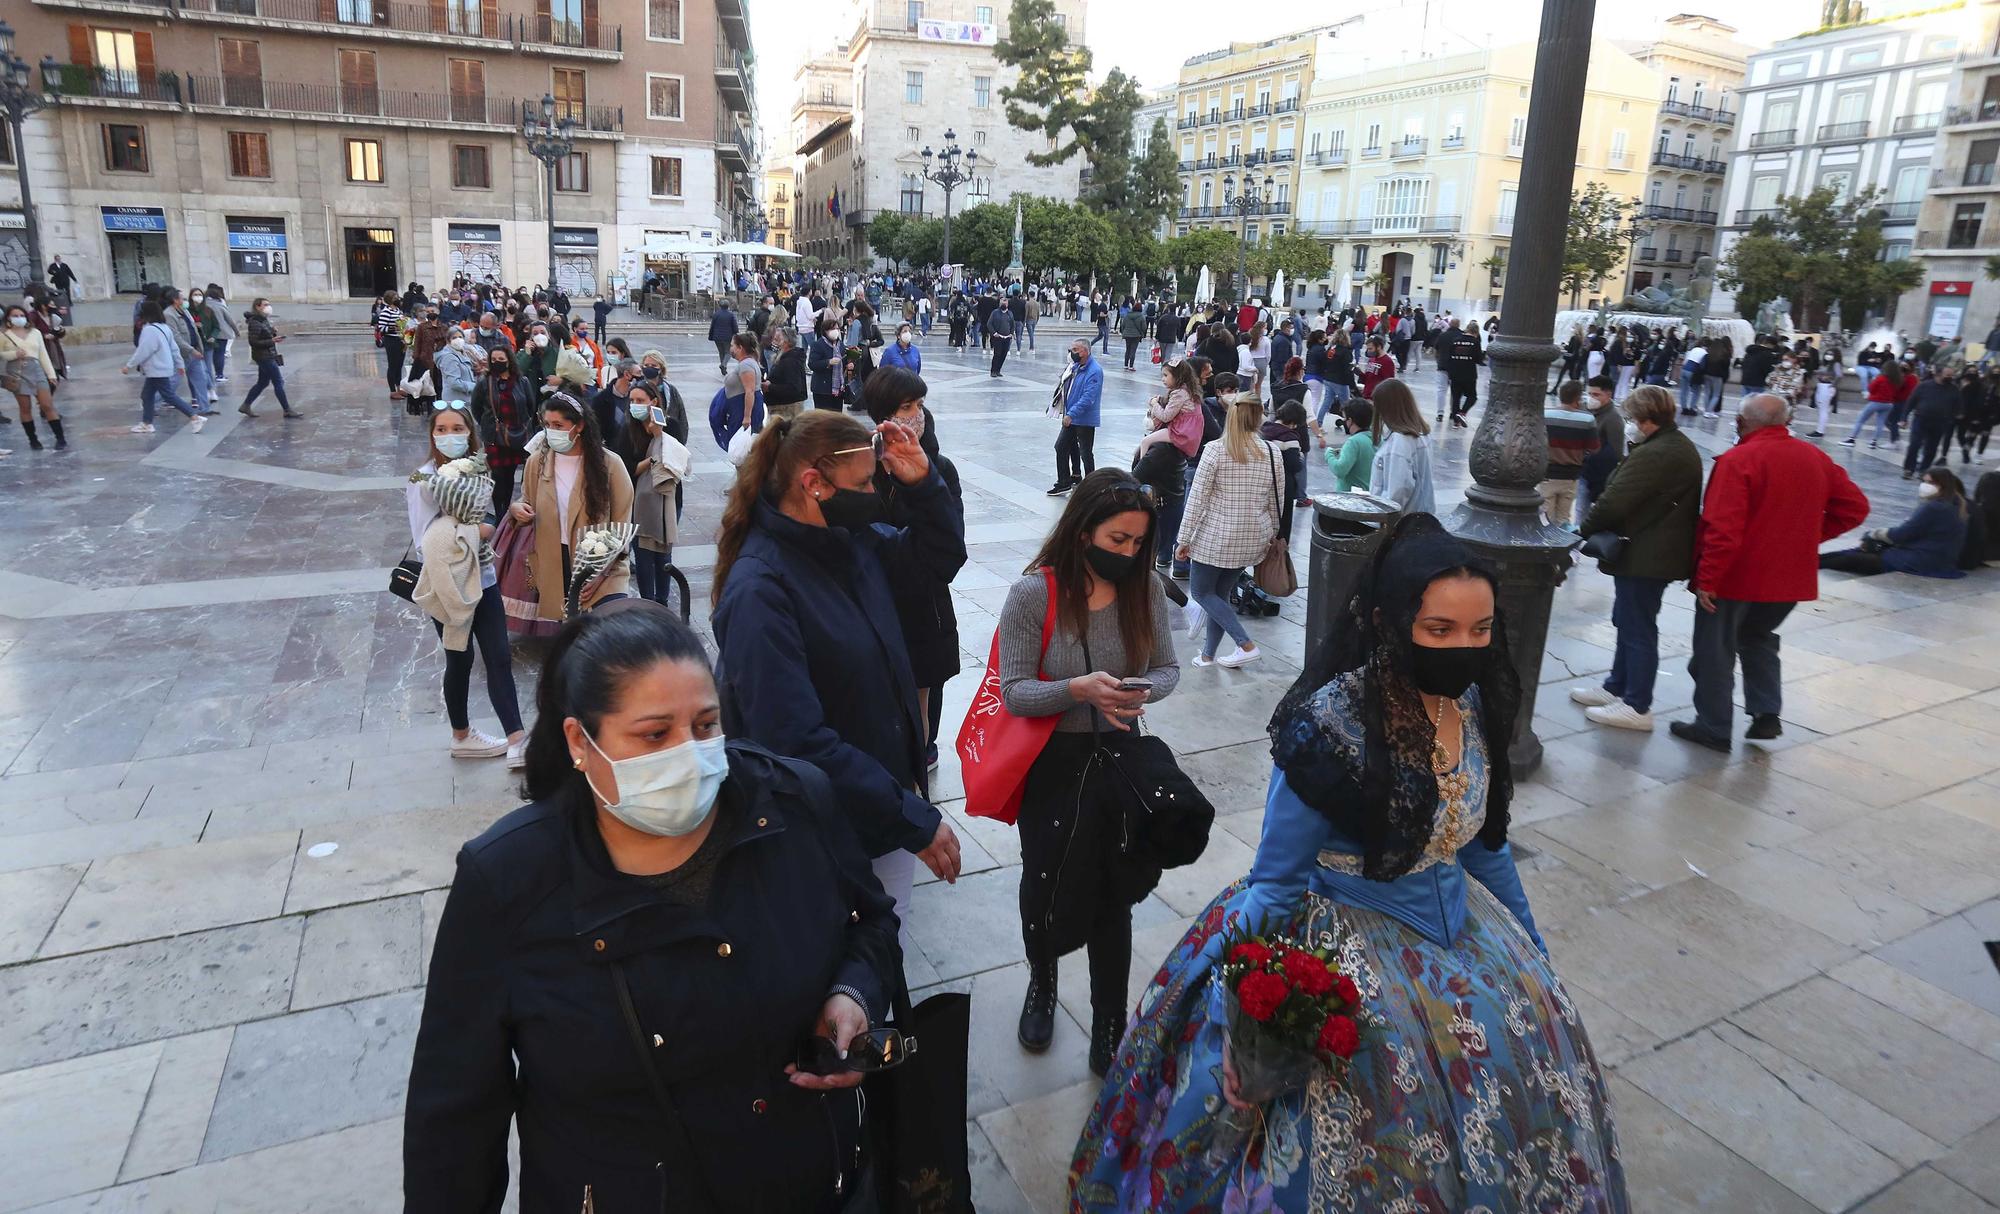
x,y
137,258
371,262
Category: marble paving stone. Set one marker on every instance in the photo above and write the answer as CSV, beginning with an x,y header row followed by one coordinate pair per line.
x,y
1578,767
353,1057
1036,1140
1945,664
323,814
1950,955
1834,902
1925,1191
1931,1006
225,722
999,1073
71,1006
1671,1167
352,952
1644,975
1560,893
1234,778
969,927
64,1126
1981,712
175,890
1190,888
17,787
1771,951
1219,707
1614,1037
994,1190
168,1136
1972,800
1734,1098
1913,1073
1536,799
1922,748
1652,850
209,766
1975,1163
382,857
1932,857
30,900
972,858
1849,776
86,843
1851,1112
245,788
1001,841
59,812
1760,787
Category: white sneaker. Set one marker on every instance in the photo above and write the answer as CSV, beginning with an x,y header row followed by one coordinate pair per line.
x,y
1242,657
141,428
1201,663
1591,696
517,753
196,422
1196,620
1620,715
477,745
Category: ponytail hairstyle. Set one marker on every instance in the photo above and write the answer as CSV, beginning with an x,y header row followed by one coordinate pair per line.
x,y
584,676
786,448
596,479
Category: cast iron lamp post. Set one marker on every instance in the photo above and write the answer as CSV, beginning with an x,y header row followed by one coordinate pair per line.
x,y
1249,202
549,141
17,101
950,167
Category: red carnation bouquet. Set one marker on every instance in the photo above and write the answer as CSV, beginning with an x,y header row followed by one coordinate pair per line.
x,y
1290,1009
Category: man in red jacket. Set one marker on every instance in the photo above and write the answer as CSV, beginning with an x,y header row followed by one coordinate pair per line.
x,y
1772,500
1376,366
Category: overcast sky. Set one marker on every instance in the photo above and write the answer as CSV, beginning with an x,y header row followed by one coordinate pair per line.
x,y
1137,35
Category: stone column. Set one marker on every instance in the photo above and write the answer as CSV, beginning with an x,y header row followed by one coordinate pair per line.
x,y
1501,517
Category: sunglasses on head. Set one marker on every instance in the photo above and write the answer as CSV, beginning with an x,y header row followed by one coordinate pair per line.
x,y
439,406
875,1050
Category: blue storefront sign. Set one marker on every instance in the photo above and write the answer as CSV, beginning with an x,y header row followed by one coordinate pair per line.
x,y
134,219
257,246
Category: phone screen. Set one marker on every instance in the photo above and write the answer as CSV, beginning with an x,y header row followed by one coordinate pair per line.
x,y
659,416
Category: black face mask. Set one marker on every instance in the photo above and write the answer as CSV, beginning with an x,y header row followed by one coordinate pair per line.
x,y
653,372
1106,564
1448,670
851,508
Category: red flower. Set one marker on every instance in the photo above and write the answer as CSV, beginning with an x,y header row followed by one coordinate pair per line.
x,y
1260,994
1308,973
1345,988
1161,978
1250,952
1339,1037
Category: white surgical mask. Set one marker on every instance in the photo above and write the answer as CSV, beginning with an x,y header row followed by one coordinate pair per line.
x,y
540,339
669,792
560,441
458,343
265,311
639,410
19,322
1632,433
451,446
1927,489
195,298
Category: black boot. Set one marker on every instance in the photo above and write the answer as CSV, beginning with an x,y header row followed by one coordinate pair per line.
x,y
34,443
1110,973
1106,1031
1038,1010
62,443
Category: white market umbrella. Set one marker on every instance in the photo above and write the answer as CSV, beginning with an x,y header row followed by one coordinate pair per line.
x,y
1134,293
1346,288
753,248
1278,291
1202,287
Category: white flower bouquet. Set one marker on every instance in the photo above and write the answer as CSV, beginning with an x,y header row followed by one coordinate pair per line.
x,y
595,551
463,489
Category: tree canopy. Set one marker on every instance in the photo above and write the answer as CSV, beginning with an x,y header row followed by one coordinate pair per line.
x,y
1819,248
1593,243
1048,96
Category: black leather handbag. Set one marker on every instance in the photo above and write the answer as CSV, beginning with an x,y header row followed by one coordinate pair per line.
x,y
403,578
1164,818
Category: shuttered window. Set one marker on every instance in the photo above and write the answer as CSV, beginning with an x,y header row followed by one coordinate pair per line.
x,y
358,91
566,85
666,177
242,73
468,90
249,154
470,169
573,173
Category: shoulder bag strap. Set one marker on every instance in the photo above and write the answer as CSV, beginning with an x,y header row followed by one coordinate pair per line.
x,y
676,1127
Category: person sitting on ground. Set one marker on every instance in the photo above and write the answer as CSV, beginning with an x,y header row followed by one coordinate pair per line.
x,y
1929,543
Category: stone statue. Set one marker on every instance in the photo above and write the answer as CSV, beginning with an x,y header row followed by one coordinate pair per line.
x,y
1775,316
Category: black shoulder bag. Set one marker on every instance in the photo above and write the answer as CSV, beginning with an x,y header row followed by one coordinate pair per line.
x,y
1608,547
1163,817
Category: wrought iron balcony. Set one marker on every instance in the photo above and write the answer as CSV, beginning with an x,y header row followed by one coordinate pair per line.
x,y
1774,139
1911,123
1843,131
1414,145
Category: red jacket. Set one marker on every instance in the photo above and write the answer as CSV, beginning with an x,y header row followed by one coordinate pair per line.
x,y
1772,500
1374,370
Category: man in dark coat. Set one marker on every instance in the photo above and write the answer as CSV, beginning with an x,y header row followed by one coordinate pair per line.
x,y
722,326
1458,356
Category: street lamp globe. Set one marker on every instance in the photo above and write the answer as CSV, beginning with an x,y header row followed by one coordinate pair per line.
x,y
548,107
1228,186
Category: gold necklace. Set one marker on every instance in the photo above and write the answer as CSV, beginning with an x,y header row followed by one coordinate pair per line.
x,y
1441,763
1453,784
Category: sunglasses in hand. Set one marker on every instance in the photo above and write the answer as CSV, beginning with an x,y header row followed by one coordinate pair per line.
x,y
875,1050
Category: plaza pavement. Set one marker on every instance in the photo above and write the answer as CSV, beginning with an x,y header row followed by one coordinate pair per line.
x,y
205,1007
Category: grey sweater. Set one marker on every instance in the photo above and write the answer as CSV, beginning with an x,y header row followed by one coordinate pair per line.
x,y
1028,694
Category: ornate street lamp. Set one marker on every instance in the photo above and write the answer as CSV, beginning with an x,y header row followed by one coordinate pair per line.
x,y
1633,232
17,101
950,167
1249,202
549,141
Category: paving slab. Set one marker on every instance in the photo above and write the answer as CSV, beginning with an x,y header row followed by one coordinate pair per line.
x,y
168,1136
30,900
64,1126
352,952
176,890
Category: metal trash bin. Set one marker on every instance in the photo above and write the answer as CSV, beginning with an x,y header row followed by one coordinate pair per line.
x,y
1347,528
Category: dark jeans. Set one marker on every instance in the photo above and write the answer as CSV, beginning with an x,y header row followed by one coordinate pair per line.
x,y
503,488
598,325
826,400
1000,345
1131,352
1104,335
1926,437
269,373
1209,585
722,355
1074,459
218,355
1853,560
649,570
158,388
1734,630
1464,390
1635,613
393,347
1896,418
489,636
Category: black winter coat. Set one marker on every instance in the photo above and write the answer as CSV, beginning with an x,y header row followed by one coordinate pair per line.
x,y
522,1020
923,603
812,658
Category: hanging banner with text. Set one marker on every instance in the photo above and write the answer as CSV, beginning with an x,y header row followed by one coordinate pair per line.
x,y
974,32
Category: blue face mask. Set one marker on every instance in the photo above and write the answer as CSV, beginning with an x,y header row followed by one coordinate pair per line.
x,y
669,792
452,446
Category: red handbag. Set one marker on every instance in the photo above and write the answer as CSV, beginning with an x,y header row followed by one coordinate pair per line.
x,y
1156,352
995,747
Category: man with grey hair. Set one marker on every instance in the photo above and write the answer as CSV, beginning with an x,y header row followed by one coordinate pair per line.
x,y
489,336
613,400
1772,500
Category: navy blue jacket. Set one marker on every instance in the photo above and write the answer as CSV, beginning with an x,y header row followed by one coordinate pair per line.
x,y
1282,352
813,663
522,1021
824,356
722,324
1928,542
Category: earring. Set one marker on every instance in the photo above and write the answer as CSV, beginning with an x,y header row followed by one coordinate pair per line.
x,y
578,762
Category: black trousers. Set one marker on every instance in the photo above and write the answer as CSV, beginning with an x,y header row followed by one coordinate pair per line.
x,y
826,400
1464,390
1074,459
1927,438
1000,346
393,347
489,636
1131,352
1853,560
503,488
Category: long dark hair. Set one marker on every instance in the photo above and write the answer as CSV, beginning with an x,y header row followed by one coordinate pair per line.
x,y
584,676
785,448
1385,797
596,477
1103,493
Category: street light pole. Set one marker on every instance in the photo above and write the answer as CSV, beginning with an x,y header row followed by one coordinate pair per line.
x,y
17,101
1501,518
1249,202
549,141
950,167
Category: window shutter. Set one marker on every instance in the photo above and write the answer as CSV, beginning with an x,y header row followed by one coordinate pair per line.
x,y
590,22
80,50
489,18
142,54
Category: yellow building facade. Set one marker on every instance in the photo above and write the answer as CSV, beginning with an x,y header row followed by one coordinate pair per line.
x,y
1410,172
1239,118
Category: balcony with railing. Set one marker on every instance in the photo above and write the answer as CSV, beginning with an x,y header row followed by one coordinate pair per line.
x,y
1618,160
1678,214
1900,212
1748,216
348,101
1287,105
732,146
1978,174
1188,123
1964,115
1414,225
1262,110
1503,225
1648,254
1232,160
732,77
1843,132
1910,124
1329,157
1372,152
1774,139
1451,143
1693,164
83,83
1412,146
1280,156
472,26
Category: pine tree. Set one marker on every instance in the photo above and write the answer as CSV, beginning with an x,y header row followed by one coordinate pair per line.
x,y
1048,96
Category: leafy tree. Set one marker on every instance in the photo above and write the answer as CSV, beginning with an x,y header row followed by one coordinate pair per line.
x,y
1819,248
1156,179
885,234
1105,136
1048,96
1141,251
922,242
1215,248
983,236
1993,268
1300,257
1593,247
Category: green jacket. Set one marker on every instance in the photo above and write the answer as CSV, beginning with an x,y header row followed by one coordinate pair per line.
x,y
1653,499
1353,463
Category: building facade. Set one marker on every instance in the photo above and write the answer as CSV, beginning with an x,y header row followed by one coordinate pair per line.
x,y
320,150
1240,117
778,200
1958,227
1852,108
1700,65
1412,170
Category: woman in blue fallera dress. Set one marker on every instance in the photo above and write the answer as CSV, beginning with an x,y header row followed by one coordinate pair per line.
x,y
1474,1090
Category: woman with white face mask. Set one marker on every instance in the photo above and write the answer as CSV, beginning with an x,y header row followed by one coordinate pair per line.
x,y
663,970
903,352
571,484
27,371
